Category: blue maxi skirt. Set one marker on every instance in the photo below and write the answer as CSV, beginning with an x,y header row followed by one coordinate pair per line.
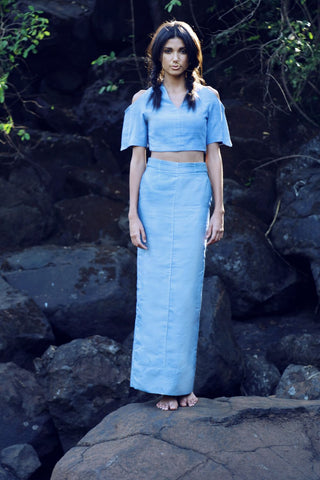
x,y
174,203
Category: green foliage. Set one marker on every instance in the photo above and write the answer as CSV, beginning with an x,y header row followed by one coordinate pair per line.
x,y
284,37
111,86
20,34
171,4
104,59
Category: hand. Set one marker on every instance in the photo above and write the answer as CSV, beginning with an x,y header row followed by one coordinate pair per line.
x,y
137,232
215,229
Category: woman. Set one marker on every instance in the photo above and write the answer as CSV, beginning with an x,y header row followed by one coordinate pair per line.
x,y
182,122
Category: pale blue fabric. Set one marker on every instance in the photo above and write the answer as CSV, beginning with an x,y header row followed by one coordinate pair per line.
x,y
174,204
173,129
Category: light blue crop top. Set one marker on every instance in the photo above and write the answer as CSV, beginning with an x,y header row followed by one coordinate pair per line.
x,y
174,129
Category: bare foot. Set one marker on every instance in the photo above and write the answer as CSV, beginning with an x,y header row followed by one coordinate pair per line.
x,y
188,400
168,403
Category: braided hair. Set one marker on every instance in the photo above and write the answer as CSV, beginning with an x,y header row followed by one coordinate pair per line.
x,y
193,75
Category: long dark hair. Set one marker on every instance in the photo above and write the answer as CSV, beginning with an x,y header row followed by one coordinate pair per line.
x,y
167,30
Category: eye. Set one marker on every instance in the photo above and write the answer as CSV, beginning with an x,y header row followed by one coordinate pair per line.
x,y
183,51
167,50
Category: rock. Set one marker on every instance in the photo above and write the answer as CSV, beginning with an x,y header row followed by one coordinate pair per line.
x,y
257,196
241,437
83,380
6,475
26,211
299,349
90,218
84,290
24,417
299,382
22,459
260,378
55,153
219,360
24,330
256,278
298,185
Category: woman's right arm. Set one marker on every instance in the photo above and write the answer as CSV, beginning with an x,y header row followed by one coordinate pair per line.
x,y
137,167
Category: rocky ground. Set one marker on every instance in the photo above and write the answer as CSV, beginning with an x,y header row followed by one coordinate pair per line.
x,y
222,439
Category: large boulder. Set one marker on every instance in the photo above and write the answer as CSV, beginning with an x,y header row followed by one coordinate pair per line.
x,y
24,330
241,437
301,382
296,231
299,349
257,279
83,381
24,417
83,290
219,361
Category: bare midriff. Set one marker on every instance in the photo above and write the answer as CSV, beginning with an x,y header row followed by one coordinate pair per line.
x,y
186,156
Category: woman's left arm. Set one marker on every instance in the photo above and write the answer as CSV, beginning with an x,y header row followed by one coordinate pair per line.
x,y
215,171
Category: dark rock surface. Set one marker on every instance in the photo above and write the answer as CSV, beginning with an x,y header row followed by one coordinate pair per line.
x,y
299,382
90,218
26,210
74,284
269,284
21,459
83,381
260,376
5,474
24,417
247,438
296,231
299,349
24,330
219,360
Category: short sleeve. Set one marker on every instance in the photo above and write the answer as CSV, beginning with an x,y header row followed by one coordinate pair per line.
x,y
135,128
217,126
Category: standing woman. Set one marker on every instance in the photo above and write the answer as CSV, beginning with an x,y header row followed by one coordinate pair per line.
x,y
182,122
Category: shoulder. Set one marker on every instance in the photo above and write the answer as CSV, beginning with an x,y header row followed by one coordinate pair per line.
x,y
138,95
142,94
209,91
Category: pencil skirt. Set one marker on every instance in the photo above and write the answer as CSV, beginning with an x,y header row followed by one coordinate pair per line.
x,y
174,204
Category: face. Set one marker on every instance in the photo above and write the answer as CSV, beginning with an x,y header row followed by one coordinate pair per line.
x,y
174,57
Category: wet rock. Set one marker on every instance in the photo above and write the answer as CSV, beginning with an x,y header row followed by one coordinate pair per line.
x,y
299,382
24,330
83,380
299,349
83,290
256,278
22,459
261,377
90,218
296,231
219,360
24,417
239,437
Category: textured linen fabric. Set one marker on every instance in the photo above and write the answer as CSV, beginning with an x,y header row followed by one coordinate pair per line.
x,y
173,129
174,202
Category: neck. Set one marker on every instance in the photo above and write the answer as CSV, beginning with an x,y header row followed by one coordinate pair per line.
x,y
174,83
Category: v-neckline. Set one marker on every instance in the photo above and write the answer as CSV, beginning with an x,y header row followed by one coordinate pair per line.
x,y
170,100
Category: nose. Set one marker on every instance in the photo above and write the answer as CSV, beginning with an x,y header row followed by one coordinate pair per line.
x,y
175,55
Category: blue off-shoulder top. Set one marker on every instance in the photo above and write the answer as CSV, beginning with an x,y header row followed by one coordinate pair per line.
x,y
174,129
